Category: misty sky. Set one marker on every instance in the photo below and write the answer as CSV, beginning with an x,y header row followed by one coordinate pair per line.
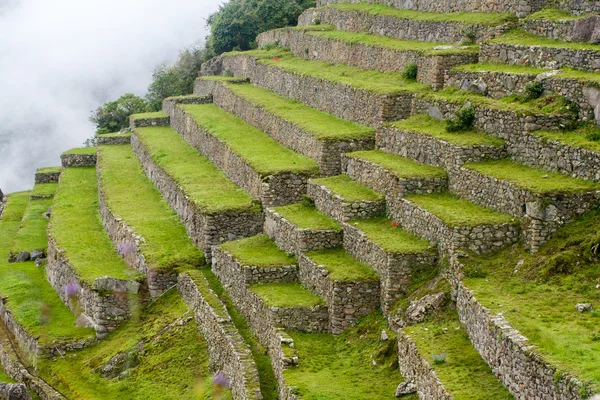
x,y
61,59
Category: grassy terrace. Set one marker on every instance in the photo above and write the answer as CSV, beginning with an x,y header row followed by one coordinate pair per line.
x,y
489,19
44,189
553,14
355,365
399,166
391,238
259,251
150,115
263,153
464,373
26,289
82,151
344,186
200,179
286,295
342,266
537,294
566,73
426,125
49,170
166,243
32,233
77,228
385,83
305,216
584,137
519,37
115,135
458,212
535,180
321,125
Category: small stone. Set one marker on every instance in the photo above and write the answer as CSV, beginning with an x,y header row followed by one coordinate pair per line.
x,y
23,256
36,255
406,388
583,307
384,336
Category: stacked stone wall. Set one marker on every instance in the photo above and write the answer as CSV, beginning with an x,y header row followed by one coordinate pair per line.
x,y
113,140
169,105
78,160
45,177
136,122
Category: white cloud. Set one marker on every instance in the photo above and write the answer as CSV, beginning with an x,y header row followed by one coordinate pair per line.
x,y
61,59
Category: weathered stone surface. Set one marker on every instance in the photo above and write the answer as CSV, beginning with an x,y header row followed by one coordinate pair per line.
x,y
78,160
44,177
112,140
406,388
122,363
585,29
14,391
147,122
420,309
170,103
583,307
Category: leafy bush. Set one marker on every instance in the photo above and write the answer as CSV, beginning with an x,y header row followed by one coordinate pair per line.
x,y
410,72
439,358
464,121
470,35
114,115
534,90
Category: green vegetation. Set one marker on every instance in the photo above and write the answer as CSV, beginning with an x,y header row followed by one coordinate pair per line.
x,y
82,151
5,378
426,125
49,170
552,14
488,19
533,179
318,123
521,38
342,266
391,238
423,282
33,302
285,295
116,135
458,212
305,216
114,115
446,346
166,243
399,166
565,73
77,228
32,233
44,189
259,251
209,295
149,115
344,186
263,153
463,122
584,137
355,365
200,179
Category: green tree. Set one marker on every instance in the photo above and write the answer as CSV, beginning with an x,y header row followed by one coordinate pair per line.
x,y
114,115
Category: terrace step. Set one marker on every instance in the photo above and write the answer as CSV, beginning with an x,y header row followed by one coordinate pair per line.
x,y
83,266
212,208
47,175
271,173
83,157
146,233
113,139
313,133
425,140
170,103
561,25
342,199
366,97
405,24
393,175
371,52
393,253
454,223
350,288
299,228
150,119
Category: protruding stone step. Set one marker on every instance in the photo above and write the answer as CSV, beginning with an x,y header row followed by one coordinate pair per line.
x,y
316,134
393,175
371,51
47,175
392,252
144,120
114,139
270,172
425,140
455,223
212,208
350,288
170,103
83,157
299,228
342,199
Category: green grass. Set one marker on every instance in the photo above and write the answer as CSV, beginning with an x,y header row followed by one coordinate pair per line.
x,y
173,364
535,180
44,189
464,374
201,180
522,38
565,72
458,212
385,83
552,14
149,115
488,19
5,378
342,266
77,228
82,151
116,135
321,125
49,170
28,294
285,295
259,251
32,233
208,294
399,166
355,365
221,78
390,237
166,243
263,153
344,186
578,137
426,125
305,216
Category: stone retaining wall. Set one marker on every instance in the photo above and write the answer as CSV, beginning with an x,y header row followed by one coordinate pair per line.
x,y
340,208
347,301
400,28
226,348
430,68
292,239
272,190
44,177
394,270
326,153
111,140
169,105
148,122
204,229
344,101
78,160
13,391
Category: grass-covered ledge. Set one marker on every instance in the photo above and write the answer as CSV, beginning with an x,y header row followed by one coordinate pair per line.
x,y
286,295
81,151
306,216
49,170
259,251
344,186
150,115
586,137
391,237
399,166
341,266
563,73
519,37
32,233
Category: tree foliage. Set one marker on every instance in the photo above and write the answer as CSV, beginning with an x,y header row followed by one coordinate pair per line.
x,y
114,115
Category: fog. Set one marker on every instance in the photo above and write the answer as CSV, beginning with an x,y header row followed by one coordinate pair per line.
x,y
61,59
